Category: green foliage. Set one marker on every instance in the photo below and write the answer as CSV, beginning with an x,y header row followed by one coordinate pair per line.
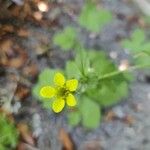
x,y
95,91
72,70
97,66
45,79
88,113
93,18
137,42
74,118
91,114
8,134
101,84
65,39
146,19
142,58
138,46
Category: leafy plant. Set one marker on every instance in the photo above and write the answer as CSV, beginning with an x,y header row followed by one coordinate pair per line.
x,y
93,18
65,39
96,91
90,68
101,84
8,133
138,46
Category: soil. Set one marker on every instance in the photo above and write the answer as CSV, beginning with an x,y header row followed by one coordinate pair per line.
x,y
125,126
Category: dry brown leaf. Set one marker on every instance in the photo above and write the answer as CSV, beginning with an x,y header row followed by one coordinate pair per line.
x,y
128,119
23,32
25,134
30,70
65,140
110,116
5,45
15,10
24,146
22,92
11,55
7,28
21,146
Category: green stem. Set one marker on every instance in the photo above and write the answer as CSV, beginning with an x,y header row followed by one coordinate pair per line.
x,y
109,75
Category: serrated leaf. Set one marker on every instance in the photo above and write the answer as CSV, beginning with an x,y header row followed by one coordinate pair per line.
x,y
65,39
100,63
93,18
91,114
72,70
46,76
137,42
138,35
143,59
36,90
82,61
74,118
109,95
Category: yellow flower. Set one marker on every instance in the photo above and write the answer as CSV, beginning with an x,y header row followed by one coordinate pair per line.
x,y
62,92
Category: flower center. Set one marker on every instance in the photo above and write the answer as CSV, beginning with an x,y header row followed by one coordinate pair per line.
x,y
62,92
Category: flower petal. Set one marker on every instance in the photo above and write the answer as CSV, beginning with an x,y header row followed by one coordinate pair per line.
x,y
47,92
72,84
58,105
71,101
59,79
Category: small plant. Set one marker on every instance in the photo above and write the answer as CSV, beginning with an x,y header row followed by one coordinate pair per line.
x,y
66,39
138,46
92,76
93,18
8,133
93,71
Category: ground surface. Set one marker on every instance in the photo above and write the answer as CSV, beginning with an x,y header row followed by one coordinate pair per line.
x,y
125,126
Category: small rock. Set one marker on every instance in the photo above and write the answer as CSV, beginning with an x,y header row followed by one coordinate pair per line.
x,y
119,112
129,132
91,145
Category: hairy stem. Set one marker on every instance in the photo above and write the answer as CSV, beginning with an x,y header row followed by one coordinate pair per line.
x,y
109,75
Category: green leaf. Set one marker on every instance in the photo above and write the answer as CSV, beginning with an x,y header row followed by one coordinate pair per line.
x,y
139,47
112,92
82,61
36,91
91,113
65,39
2,147
138,35
93,18
72,70
99,63
143,59
137,42
8,133
74,118
46,77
